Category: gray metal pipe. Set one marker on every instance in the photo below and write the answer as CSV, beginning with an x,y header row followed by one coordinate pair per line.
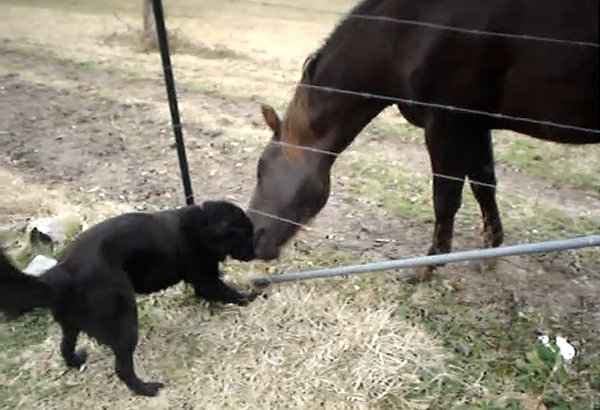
x,y
514,250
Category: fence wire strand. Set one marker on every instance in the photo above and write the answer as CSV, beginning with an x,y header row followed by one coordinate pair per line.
x,y
449,108
411,101
335,154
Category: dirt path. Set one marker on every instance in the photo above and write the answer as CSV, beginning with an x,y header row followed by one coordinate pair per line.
x,y
571,201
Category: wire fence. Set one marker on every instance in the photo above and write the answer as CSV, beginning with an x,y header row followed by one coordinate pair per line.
x,y
417,23
395,99
559,43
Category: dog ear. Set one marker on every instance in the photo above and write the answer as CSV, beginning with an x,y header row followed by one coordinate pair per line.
x,y
193,219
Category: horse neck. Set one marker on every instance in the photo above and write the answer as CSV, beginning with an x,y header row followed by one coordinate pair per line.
x,y
344,64
336,118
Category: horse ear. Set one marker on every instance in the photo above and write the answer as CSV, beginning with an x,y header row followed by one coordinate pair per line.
x,y
271,118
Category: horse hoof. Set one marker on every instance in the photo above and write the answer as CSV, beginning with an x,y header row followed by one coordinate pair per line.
x,y
487,265
421,274
492,238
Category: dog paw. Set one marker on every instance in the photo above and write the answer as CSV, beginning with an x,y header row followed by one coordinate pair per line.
x,y
247,298
243,302
78,359
150,389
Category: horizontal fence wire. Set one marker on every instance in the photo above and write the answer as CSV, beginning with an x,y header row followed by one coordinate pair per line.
x,y
451,108
393,99
331,153
418,23
336,154
499,116
332,235
281,219
313,229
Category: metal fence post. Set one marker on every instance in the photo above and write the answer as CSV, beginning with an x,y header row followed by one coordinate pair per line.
x,y
163,45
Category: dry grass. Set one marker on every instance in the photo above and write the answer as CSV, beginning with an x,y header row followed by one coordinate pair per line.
x,y
305,349
298,348
140,42
21,201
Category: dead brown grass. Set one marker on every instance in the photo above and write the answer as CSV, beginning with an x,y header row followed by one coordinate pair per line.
x,y
298,349
21,201
140,42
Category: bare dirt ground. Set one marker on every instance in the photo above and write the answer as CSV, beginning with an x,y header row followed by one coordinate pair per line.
x,y
90,121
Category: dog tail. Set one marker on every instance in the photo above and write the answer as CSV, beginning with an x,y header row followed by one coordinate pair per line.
x,y
19,292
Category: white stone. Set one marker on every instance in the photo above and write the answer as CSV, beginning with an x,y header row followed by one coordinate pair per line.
x,y
566,350
39,265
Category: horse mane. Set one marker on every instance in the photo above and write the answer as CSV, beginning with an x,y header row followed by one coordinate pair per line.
x,y
310,64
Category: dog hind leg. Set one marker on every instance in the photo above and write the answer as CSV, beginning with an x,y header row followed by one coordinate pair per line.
x,y
123,344
126,372
115,324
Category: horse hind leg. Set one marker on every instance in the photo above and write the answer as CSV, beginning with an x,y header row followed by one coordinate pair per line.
x,y
483,184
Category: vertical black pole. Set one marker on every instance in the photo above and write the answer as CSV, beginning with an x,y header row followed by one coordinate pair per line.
x,y
163,44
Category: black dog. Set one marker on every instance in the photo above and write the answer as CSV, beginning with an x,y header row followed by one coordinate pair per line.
x,y
92,288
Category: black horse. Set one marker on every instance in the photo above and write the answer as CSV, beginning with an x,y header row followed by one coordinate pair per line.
x,y
552,79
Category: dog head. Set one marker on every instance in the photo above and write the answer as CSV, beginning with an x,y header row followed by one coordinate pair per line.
x,y
227,230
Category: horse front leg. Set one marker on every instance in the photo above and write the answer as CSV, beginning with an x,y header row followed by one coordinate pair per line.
x,y
445,144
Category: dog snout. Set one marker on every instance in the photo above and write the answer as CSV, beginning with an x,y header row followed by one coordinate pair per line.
x,y
248,253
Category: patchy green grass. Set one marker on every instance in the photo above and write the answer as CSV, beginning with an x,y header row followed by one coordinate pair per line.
x,y
498,363
575,165
405,132
578,166
409,194
500,341
498,351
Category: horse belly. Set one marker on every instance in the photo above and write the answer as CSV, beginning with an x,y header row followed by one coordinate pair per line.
x,y
558,88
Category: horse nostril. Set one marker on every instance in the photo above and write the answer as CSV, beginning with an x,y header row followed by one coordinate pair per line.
x,y
260,233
